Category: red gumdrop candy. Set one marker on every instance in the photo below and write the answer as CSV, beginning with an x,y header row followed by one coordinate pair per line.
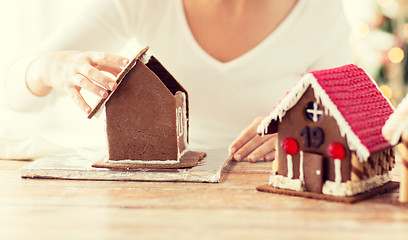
x,y
289,145
336,150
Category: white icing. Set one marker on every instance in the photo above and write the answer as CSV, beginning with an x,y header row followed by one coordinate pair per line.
x,y
290,166
351,188
331,109
301,174
143,161
145,58
337,170
274,167
401,122
315,112
285,183
181,124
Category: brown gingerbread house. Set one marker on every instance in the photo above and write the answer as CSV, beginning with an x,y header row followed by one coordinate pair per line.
x,y
329,135
147,118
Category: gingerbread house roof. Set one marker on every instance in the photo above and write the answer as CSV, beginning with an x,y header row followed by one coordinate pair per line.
x,y
143,56
351,97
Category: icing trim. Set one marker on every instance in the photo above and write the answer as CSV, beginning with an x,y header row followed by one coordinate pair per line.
x,y
143,161
290,166
351,188
183,131
337,170
145,57
301,174
280,181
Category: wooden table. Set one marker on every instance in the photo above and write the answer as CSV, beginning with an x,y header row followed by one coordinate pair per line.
x,y
232,209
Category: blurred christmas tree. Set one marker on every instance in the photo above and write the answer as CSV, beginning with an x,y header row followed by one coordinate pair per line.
x,y
380,46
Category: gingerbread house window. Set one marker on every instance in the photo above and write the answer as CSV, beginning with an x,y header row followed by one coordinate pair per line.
x,y
313,112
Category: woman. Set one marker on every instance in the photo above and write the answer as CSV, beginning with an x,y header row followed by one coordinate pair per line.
x,y
236,58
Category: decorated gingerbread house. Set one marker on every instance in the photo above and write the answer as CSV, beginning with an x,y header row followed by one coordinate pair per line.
x,y
329,135
147,118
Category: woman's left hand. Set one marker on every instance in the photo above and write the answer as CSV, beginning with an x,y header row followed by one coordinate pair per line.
x,y
252,146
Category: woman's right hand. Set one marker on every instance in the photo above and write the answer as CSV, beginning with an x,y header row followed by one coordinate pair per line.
x,y
70,71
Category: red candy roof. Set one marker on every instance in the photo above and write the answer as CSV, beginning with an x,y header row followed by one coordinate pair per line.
x,y
359,101
351,97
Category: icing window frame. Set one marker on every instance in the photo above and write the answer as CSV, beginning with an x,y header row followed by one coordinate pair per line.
x,y
313,112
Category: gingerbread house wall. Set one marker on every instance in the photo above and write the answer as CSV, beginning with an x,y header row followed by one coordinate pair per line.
x,y
292,124
141,118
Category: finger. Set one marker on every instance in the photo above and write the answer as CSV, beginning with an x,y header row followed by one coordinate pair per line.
x,y
107,59
97,76
246,135
249,147
270,156
114,70
77,98
264,151
85,83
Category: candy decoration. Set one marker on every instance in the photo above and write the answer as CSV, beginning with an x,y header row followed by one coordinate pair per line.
x,y
336,151
290,146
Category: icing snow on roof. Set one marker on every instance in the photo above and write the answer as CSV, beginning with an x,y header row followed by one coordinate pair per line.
x,y
352,98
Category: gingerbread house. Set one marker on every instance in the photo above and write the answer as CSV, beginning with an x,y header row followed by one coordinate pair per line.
x,y
147,118
329,135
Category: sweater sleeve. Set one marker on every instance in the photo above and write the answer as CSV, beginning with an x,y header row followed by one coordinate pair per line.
x,y
102,25
16,94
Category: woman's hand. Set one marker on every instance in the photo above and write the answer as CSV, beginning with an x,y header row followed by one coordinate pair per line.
x,y
253,146
70,71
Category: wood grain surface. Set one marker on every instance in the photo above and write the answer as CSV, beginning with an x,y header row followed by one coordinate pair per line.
x,y
232,209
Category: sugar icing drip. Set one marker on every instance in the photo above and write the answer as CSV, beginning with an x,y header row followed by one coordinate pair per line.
x,y
301,174
337,170
290,166
145,58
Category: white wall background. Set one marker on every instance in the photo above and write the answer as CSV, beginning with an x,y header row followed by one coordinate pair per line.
x,y
24,24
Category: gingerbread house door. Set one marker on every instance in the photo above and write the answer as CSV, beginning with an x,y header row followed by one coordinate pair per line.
x,y
313,171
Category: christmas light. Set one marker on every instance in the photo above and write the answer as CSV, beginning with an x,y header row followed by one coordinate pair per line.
x,y
396,55
386,90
